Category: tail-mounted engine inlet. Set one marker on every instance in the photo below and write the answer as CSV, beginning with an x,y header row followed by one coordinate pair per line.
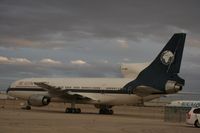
x,y
172,87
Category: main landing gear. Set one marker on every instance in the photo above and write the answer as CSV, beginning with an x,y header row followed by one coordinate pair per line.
x,y
72,109
106,111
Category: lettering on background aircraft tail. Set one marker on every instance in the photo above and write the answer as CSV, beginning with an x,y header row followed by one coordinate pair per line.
x,y
161,76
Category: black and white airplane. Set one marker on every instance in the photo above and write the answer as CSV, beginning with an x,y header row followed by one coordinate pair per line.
x,y
159,78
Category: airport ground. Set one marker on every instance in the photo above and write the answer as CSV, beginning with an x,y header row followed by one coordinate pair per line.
x,y
52,119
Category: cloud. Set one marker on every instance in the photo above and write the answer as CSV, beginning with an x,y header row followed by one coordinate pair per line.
x,y
16,42
123,43
128,31
58,24
50,61
4,60
105,61
193,41
126,59
24,61
78,62
21,61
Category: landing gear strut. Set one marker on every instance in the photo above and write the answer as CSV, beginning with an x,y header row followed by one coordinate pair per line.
x,y
105,109
72,109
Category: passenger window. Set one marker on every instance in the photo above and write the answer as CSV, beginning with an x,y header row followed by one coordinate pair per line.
x,y
197,111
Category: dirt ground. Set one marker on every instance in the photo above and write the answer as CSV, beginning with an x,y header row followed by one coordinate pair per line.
x,y
52,119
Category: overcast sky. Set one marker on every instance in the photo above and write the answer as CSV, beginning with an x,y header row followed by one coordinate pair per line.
x,y
72,38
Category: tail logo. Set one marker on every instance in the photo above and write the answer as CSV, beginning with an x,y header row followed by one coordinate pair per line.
x,y
167,57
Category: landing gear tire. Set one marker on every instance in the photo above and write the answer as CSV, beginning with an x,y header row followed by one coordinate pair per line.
x,y
73,110
26,107
197,124
78,110
111,112
106,111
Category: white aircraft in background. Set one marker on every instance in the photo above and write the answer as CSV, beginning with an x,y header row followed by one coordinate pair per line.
x,y
131,70
185,103
157,79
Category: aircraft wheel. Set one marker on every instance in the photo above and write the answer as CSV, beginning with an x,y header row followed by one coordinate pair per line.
x,y
73,110
78,110
28,107
101,111
110,112
106,111
197,124
68,110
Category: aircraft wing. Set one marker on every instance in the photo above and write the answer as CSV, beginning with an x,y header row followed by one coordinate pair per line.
x,y
63,93
47,87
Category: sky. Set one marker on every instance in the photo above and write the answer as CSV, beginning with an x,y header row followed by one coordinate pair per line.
x,y
91,38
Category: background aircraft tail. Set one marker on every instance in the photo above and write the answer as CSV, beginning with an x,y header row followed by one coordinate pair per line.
x,y
161,75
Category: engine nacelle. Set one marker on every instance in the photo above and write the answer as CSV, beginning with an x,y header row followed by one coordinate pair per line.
x,y
38,100
172,87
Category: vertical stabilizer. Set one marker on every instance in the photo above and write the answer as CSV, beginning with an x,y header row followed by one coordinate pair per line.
x,y
162,72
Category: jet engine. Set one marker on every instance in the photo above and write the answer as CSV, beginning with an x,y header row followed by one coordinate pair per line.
x,y
39,100
172,87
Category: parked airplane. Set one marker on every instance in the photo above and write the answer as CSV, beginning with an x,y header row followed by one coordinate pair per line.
x,y
185,103
132,70
159,78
